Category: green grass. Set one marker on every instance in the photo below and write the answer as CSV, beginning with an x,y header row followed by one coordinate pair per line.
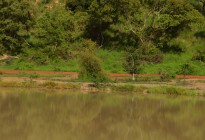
x,y
154,90
172,64
112,62
171,90
45,85
172,61
33,75
125,88
71,65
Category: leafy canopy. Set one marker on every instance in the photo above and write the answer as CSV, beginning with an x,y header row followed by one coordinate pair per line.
x,y
57,31
16,20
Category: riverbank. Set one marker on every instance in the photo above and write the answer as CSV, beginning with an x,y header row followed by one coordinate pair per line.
x,y
177,86
75,74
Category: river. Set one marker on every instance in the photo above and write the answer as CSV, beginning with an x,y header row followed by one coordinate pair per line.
x,y
31,114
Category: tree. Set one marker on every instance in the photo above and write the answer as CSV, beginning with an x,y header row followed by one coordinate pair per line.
x,y
78,5
159,21
203,4
134,58
57,31
90,67
132,63
16,20
121,23
45,1
105,17
152,27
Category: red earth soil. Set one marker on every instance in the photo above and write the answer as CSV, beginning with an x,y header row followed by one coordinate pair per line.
x,y
74,74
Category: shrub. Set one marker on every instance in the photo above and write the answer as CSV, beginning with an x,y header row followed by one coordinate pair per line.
x,y
165,76
199,56
90,68
186,69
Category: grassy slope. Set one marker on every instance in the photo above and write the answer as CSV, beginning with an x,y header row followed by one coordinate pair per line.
x,y
172,61
112,61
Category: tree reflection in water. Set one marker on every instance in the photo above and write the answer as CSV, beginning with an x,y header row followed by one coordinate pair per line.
x,y
40,115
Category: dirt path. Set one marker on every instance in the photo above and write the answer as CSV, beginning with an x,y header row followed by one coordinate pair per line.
x,y
74,74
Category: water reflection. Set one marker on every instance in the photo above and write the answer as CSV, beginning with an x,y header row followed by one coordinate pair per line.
x,y
40,115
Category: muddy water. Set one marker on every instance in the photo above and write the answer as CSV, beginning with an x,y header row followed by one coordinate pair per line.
x,y
63,115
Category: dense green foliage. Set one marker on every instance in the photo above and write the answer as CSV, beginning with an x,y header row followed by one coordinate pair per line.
x,y
90,68
16,21
146,31
56,33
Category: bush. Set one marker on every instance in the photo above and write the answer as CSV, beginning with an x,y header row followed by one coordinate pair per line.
x,y
199,56
186,69
165,76
90,68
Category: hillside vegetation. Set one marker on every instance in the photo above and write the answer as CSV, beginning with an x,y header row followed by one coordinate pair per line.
x,y
123,36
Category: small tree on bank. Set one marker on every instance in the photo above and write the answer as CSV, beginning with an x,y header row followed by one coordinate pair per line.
x,y
90,67
144,54
132,64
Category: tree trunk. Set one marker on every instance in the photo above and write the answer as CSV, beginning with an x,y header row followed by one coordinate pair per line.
x,y
133,77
